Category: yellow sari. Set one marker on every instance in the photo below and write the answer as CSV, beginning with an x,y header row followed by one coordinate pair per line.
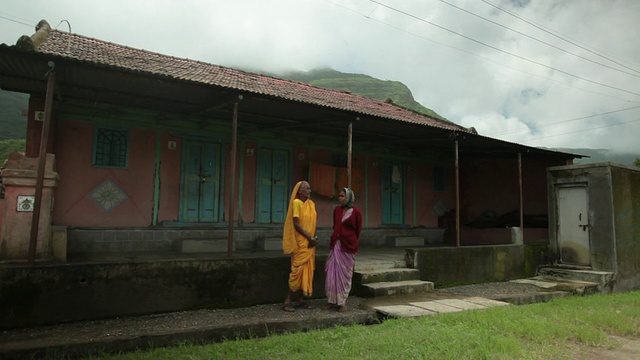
x,y
303,258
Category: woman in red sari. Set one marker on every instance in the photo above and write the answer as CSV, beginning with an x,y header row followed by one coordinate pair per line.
x,y
347,225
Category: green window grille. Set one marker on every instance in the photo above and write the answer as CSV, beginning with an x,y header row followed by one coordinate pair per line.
x,y
111,148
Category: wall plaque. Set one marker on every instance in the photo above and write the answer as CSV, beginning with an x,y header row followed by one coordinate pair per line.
x,y
25,202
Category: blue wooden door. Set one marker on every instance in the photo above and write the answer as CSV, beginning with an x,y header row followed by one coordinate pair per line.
x,y
273,181
201,193
392,194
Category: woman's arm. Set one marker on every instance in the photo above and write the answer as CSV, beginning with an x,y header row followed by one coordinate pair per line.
x,y
313,241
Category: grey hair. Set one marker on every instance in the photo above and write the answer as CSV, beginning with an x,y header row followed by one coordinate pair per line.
x,y
351,197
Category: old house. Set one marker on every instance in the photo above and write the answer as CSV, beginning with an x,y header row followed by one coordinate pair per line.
x,y
156,153
134,152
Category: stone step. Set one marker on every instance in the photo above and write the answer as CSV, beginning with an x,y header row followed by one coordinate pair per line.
x,y
386,275
604,279
267,244
205,245
551,283
405,241
395,287
370,265
529,298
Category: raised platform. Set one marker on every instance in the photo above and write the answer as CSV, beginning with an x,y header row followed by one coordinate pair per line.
x,y
205,245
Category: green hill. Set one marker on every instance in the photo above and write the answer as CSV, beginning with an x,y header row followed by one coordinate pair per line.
x,y
12,124
364,85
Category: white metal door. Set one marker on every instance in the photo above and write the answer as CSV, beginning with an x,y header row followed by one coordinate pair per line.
x,y
573,226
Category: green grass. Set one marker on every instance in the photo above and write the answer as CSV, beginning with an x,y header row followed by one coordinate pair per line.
x,y
7,146
550,330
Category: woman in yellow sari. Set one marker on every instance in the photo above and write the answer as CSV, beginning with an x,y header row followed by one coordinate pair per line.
x,y
299,239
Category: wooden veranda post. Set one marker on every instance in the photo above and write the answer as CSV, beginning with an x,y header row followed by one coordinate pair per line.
x,y
350,142
457,197
521,198
42,161
232,177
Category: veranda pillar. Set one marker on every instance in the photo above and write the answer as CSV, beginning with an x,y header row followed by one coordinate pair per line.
x,y
19,180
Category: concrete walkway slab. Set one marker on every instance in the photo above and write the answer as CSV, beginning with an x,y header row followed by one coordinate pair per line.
x,y
486,302
436,307
440,306
403,311
461,304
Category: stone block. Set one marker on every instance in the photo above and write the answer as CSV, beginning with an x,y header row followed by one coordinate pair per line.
x,y
59,243
270,244
405,241
205,245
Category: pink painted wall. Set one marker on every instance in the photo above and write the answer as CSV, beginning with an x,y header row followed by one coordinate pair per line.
x,y
34,129
493,184
16,232
485,183
426,196
78,177
248,186
374,190
324,204
534,194
19,178
169,178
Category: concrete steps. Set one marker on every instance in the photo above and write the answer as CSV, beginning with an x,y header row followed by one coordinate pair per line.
x,y
388,288
524,299
389,277
378,265
603,279
551,283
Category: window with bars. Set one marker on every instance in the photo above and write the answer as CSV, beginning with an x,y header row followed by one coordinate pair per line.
x,y
111,148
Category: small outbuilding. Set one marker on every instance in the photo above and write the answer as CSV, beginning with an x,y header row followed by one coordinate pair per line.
x,y
594,220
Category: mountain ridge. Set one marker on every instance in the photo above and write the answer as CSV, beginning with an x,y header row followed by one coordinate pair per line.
x,y
390,91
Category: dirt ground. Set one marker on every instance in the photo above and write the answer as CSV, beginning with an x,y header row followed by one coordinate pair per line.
x,y
122,328
625,349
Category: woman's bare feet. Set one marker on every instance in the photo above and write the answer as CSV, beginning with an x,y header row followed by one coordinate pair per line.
x,y
342,308
328,306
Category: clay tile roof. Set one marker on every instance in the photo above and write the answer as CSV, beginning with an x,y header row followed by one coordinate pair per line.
x,y
85,49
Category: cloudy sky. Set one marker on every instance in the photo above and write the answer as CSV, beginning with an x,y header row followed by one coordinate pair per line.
x,y
539,72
